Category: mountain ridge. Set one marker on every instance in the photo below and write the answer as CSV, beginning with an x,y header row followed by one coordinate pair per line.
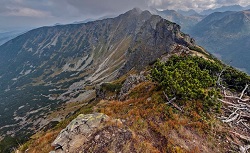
x,y
48,66
224,9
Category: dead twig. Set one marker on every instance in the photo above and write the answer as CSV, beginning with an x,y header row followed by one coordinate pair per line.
x,y
171,102
241,136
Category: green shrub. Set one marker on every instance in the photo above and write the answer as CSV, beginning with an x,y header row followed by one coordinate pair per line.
x,y
8,144
235,79
111,87
188,78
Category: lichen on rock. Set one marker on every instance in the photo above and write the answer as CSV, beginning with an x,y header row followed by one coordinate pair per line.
x,y
92,133
78,131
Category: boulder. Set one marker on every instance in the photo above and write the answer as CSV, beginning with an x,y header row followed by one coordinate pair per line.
x,y
94,133
78,131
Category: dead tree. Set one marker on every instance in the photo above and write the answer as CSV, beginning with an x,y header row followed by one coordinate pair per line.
x,y
236,112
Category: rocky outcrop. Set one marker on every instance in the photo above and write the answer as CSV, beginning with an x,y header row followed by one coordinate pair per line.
x,y
93,133
155,38
131,82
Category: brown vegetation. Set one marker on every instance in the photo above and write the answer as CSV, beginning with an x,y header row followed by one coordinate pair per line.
x,y
159,127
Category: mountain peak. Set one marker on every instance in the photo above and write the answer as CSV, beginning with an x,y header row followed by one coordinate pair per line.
x,y
136,10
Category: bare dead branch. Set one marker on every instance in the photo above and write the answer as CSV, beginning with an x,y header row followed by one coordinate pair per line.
x,y
243,91
226,102
241,136
238,111
166,95
237,98
245,125
244,149
229,119
219,77
171,102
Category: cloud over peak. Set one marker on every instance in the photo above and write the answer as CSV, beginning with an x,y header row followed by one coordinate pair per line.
x,y
47,12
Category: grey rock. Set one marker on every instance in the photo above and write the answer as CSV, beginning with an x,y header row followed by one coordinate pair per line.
x,y
131,82
93,133
156,37
78,131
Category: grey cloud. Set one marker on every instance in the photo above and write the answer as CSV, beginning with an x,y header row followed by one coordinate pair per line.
x,y
66,11
198,5
10,7
227,2
91,8
97,7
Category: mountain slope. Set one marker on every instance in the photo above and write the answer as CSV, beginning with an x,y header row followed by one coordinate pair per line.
x,y
226,35
188,13
6,36
48,66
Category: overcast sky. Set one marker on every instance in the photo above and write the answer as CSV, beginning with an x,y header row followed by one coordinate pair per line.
x,y
35,13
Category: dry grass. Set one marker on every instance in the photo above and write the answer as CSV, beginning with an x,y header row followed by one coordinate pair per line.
x,y
157,126
40,143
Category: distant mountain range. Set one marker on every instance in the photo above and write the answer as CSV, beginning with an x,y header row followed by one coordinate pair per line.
x,y
188,13
87,20
225,32
185,19
6,36
224,9
227,35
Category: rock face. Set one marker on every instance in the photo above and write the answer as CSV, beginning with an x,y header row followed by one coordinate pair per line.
x,y
121,93
130,82
155,38
91,133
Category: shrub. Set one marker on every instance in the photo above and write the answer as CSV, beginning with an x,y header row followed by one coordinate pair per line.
x,y
188,78
111,87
